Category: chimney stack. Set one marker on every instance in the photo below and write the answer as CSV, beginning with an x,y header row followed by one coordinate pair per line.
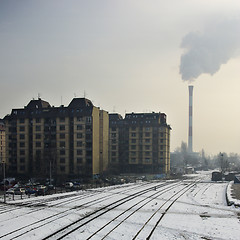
x,y
190,132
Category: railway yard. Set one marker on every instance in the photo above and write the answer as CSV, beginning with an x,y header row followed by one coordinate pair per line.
x,y
194,208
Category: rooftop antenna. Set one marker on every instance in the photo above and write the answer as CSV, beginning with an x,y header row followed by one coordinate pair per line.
x,y
39,95
75,95
61,100
84,94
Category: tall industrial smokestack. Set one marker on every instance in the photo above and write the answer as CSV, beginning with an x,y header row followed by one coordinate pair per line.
x,y
190,132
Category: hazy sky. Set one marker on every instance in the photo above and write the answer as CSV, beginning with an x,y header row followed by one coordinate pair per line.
x,y
129,56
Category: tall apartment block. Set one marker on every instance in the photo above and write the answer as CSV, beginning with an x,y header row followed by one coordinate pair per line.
x,y
140,143
68,141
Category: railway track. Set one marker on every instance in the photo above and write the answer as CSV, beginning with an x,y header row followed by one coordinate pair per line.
x,y
138,196
78,225
66,232
42,222
51,202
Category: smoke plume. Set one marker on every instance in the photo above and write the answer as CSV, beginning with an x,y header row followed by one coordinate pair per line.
x,y
207,51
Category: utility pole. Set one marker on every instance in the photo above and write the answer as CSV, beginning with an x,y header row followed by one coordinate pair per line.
x,y
4,182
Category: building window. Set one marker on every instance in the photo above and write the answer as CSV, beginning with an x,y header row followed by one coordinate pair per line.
x,y
62,127
114,135
62,144
133,134
22,136
147,134
38,128
38,144
88,119
22,129
147,147
22,144
79,152
79,127
88,128
62,152
114,154
22,160
79,135
22,152
62,160
147,153
88,137
62,119
114,147
133,160
147,160
79,160
38,120
114,129
21,120
62,135
38,136
79,119
133,147
147,140
79,143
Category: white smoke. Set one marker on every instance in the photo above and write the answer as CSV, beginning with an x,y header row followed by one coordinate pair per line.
x,y
206,52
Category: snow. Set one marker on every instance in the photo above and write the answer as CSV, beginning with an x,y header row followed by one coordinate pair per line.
x,y
199,213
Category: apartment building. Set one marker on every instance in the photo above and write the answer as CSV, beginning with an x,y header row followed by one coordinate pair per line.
x,y
63,141
140,143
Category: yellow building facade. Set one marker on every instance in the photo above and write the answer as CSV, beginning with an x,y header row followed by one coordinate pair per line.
x,y
63,141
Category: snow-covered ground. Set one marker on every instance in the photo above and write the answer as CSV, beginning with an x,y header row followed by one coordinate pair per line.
x,y
190,209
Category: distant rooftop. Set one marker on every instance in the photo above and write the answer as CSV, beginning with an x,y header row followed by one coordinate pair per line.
x,y
39,103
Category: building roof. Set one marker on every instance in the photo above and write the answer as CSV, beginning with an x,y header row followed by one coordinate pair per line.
x,y
80,103
39,103
115,116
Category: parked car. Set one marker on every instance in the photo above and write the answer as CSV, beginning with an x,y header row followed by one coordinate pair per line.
x,y
41,190
19,191
10,191
68,185
30,190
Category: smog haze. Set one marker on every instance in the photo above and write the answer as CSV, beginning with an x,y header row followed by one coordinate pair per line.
x,y
128,56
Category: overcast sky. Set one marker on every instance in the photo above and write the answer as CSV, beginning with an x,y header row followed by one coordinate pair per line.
x,y
129,56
